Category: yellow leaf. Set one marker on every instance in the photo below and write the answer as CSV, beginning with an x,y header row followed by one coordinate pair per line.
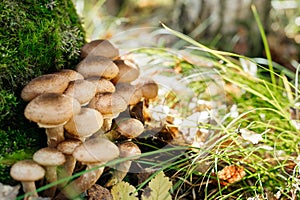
x,y
123,190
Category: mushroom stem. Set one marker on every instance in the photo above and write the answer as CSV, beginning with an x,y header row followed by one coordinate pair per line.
x,y
55,135
29,187
107,122
51,176
119,173
84,182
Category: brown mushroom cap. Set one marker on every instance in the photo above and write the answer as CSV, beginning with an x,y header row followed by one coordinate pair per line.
x,y
48,83
108,103
85,123
27,170
130,127
128,71
51,109
99,48
96,150
49,157
149,89
97,66
129,149
70,74
102,85
81,90
68,146
129,93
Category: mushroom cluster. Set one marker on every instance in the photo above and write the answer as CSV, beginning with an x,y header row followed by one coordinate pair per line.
x,y
80,111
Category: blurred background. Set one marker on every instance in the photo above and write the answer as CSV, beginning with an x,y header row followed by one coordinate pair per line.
x,y
221,24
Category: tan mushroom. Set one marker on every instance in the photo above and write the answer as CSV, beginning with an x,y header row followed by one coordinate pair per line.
x,y
129,93
81,90
130,127
99,48
149,88
70,74
127,149
50,158
97,66
102,85
128,71
109,105
93,153
67,147
84,124
52,111
48,83
27,171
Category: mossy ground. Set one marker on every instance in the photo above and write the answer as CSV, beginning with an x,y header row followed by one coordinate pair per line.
x,y
36,37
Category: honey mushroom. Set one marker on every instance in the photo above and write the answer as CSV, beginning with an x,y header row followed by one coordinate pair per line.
x,y
84,124
93,153
127,149
52,111
50,158
27,171
99,48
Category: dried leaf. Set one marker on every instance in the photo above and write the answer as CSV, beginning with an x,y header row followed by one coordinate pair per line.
x,y
97,192
8,192
123,190
231,174
159,186
251,136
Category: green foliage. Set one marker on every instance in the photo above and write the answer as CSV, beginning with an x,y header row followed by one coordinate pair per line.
x,y
158,189
36,37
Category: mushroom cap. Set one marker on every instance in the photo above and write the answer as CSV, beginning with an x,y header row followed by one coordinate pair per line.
x,y
99,48
149,89
81,90
68,146
96,150
51,109
108,103
49,157
72,75
85,123
130,127
102,85
129,149
48,83
97,66
129,93
27,170
128,71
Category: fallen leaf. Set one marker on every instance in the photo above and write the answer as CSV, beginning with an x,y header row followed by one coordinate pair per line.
x,y
231,174
251,136
8,192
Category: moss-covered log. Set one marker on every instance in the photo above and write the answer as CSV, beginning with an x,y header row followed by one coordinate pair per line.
x,y
36,37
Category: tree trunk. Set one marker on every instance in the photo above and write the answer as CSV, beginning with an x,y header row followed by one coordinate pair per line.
x,y
227,24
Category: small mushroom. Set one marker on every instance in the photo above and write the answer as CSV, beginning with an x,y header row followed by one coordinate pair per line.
x,y
48,83
67,147
130,127
109,105
99,48
52,111
27,171
93,153
102,85
127,149
128,71
84,124
149,89
50,158
130,93
97,66
70,74
81,90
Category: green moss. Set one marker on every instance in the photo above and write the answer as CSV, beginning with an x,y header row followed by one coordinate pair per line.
x,y
36,37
